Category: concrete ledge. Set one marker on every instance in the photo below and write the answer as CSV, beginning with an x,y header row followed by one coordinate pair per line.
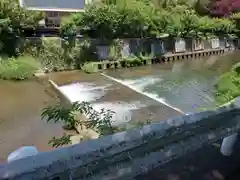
x,y
128,154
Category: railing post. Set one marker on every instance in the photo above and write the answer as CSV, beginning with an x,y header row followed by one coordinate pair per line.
x,y
228,144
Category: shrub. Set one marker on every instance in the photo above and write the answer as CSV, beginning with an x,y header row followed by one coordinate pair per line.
x,y
101,122
21,68
57,54
89,67
228,86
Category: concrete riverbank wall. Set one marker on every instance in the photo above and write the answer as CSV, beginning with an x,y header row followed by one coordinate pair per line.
x,y
123,53
136,52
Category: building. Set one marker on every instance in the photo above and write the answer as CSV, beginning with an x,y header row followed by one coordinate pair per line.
x,y
54,9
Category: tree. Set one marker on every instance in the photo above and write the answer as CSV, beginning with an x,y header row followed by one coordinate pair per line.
x,y
201,7
222,8
16,19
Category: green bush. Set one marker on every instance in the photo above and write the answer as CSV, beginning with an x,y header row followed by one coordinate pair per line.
x,y
89,67
228,86
21,68
57,54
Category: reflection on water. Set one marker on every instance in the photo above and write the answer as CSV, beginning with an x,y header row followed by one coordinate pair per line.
x,y
186,85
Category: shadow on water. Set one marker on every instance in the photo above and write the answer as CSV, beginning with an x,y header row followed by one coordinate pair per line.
x,y
20,121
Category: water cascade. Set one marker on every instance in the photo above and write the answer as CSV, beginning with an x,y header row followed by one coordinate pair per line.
x,y
138,89
89,92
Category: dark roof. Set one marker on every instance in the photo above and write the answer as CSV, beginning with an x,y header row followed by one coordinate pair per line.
x,y
53,5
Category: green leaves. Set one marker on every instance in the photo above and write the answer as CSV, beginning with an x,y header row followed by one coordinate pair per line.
x,y
57,142
101,121
12,19
136,19
17,69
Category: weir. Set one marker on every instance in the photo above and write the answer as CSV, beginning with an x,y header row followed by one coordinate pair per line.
x,y
136,153
152,96
129,105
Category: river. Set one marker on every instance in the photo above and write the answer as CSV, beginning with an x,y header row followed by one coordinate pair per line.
x,y
187,85
151,93
20,117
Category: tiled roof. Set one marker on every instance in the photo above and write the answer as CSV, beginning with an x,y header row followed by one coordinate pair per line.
x,y
53,5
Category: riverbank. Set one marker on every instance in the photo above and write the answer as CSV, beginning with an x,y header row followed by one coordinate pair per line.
x,y
228,86
168,57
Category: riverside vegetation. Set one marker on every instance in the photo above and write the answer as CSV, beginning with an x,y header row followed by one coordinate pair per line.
x,y
107,20
228,86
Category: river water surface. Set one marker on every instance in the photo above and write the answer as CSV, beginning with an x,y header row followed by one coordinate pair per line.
x,y
185,85
152,93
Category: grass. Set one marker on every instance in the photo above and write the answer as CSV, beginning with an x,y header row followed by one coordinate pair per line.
x,y
89,67
20,68
228,86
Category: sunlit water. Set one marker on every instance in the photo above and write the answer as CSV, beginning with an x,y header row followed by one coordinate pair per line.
x,y
185,86
89,92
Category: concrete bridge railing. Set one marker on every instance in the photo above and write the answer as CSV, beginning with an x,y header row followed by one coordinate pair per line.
x,y
127,154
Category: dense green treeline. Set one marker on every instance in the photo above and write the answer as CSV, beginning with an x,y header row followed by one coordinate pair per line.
x,y
140,18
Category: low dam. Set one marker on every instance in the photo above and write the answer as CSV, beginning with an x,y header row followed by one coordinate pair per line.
x,y
151,92
161,94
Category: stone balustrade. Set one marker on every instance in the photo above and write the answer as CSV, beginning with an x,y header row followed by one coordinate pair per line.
x,y
127,154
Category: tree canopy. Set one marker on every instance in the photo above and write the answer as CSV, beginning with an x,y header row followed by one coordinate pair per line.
x,y
140,19
12,19
224,7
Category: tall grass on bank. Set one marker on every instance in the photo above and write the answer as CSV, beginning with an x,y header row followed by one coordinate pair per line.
x,y
228,86
20,68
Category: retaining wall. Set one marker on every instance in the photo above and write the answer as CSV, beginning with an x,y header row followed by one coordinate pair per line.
x,y
160,50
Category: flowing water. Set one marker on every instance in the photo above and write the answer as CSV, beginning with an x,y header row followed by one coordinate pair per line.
x,y
149,93
153,92
187,86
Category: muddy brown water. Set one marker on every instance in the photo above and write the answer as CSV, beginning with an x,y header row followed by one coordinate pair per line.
x,y
180,83
20,120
